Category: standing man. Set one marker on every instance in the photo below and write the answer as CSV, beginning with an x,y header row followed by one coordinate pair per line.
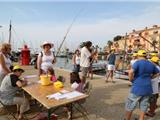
x,y
140,75
111,65
86,55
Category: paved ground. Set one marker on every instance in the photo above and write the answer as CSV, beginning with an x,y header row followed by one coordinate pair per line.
x,y
106,101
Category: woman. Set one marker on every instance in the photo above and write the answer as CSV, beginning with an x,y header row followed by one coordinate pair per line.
x,y
76,61
46,58
9,87
5,62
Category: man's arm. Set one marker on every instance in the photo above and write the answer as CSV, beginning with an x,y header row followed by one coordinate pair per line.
x,y
131,75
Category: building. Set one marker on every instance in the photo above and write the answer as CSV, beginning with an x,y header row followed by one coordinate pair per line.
x,y
148,39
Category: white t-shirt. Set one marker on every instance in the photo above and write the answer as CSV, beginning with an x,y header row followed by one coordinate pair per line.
x,y
74,85
85,54
46,61
8,64
155,83
77,60
133,61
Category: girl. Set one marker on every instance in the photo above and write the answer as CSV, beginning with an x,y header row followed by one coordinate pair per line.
x,y
52,73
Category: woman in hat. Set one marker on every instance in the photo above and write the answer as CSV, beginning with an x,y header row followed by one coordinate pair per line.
x,y
5,62
9,87
46,58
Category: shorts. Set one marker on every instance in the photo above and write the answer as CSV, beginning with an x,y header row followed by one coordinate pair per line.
x,y
133,100
84,71
76,68
111,67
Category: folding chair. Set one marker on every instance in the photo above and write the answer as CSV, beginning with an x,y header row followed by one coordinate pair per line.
x,y
6,107
79,104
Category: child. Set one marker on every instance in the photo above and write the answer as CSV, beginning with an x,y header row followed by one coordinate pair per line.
x,y
9,87
155,87
76,82
52,73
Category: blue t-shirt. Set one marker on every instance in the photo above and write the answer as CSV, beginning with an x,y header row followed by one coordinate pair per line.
x,y
111,59
143,71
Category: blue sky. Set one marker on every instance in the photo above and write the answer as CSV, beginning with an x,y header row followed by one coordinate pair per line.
x,y
35,22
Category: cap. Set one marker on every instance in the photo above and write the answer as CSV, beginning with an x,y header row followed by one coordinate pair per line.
x,y
17,67
142,53
155,59
134,54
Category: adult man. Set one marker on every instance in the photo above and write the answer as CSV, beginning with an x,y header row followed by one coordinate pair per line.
x,y
85,59
140,75
111,65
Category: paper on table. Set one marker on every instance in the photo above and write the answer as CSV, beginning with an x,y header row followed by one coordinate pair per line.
x,y
30,76
68,95
53,95
64,91
73,94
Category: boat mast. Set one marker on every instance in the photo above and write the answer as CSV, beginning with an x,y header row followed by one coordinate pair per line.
x,y
68,30
10,32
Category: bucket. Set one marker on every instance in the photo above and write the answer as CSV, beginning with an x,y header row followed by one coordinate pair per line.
x,y
45,79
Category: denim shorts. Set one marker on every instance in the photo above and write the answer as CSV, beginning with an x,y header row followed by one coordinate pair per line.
x,y
133,100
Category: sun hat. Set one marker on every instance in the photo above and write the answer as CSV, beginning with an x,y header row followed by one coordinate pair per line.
x,y
17,67
142,53
47,43
155,59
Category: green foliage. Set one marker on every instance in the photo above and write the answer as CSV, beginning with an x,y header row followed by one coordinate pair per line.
x,y
82,44
117,38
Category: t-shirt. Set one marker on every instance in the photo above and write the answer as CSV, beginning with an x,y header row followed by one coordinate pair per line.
x,y
85,55
143,71
112,59
14,79
46,61
156,82
133,61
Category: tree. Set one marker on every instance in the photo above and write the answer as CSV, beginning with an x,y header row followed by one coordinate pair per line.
x,y
82,44
117,38
109,43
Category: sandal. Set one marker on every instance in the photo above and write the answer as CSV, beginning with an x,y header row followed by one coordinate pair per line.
x,y
150,114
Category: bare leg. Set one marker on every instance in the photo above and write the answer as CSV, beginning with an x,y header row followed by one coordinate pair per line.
x,y
20,117
128,115
108,75
112,75
141,115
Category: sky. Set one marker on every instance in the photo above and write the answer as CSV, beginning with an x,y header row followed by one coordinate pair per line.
x,y
37,21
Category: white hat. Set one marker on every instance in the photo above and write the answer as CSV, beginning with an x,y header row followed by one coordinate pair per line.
x,y
47,43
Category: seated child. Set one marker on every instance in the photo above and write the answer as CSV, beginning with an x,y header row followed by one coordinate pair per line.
x,y
11,84
76,82
52,73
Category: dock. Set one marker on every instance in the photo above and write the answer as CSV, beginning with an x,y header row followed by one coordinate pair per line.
x,y
106,102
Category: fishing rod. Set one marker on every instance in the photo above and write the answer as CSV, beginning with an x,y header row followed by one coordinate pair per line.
x,y
69,28
10,32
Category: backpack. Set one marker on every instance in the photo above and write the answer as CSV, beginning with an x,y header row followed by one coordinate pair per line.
x,y
35,65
